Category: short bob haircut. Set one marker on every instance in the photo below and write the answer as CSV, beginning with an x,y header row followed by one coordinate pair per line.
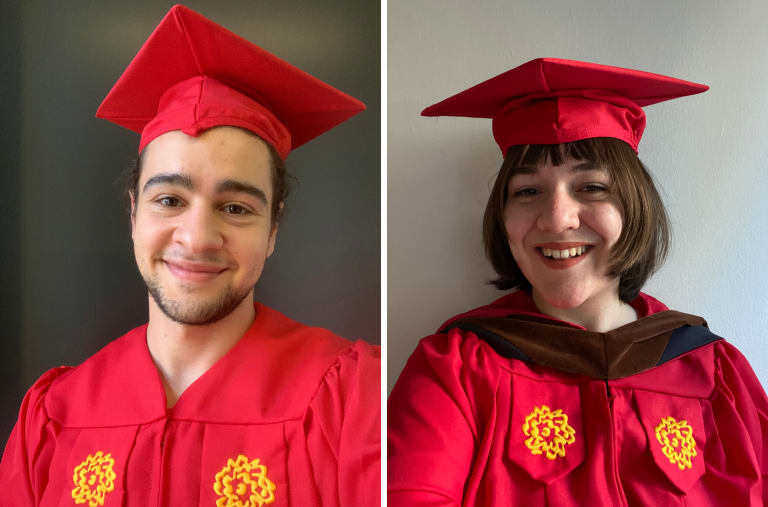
x,y
644,240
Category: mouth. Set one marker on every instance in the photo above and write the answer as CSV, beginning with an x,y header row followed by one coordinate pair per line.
x,y
193,272
563,255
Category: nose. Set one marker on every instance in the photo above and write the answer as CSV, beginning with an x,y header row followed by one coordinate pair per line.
x,y
198,230
560,212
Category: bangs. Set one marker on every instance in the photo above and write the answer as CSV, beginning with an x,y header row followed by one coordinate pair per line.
x,y
596,151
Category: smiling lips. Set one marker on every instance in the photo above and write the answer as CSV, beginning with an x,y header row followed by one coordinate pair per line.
x,y
562,255
193,271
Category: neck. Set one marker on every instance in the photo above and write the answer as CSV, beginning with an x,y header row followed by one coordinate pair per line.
x,y
183,353
600,313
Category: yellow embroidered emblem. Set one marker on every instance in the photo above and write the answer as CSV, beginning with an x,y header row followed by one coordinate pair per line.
x,y
548,432
243,484
677,442
94,478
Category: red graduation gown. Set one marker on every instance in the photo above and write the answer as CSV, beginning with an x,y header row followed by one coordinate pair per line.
x,y
289,416
470,427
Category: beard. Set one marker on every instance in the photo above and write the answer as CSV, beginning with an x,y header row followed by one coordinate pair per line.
x,y
197,313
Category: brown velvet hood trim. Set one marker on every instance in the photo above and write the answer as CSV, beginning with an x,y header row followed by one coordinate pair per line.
x,y
625,351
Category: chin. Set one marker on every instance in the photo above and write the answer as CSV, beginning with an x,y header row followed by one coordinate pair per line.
x,y
200,311
564,298
196,305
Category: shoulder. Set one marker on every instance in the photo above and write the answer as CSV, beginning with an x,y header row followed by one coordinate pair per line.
x,y
37,395
106,358
456,353
94,369
275,325
360,362
311,359
350,386
94,392
456,364
735,375
32,440
34,414
727,351
307,346
459,346
315,372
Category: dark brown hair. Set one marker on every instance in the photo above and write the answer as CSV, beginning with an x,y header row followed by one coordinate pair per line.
x,y
281,180
644,240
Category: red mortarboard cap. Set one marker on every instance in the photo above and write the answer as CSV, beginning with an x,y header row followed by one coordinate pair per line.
x,y
192,74
554,101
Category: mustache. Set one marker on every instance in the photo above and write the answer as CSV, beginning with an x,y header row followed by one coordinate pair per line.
x,y
195,259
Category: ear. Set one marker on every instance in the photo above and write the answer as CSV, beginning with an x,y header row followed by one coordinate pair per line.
x,y
133,214
272,238
273,234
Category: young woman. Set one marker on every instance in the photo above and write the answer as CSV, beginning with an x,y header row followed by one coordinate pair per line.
x,y
576,389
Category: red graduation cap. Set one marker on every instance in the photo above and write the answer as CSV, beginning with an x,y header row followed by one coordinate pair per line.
x,y
554,101
192,74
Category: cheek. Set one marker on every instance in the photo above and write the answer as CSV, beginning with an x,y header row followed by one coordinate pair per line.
x,y
151,237
148,232
252,249
517,226
608,222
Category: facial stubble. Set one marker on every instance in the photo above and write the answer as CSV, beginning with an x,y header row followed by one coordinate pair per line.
x,y
199,313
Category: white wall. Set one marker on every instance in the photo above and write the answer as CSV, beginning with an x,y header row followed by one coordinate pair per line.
x,y
708,153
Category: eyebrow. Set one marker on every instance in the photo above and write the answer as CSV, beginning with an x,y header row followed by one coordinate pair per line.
x,y
181,180
587,165
241,187
223,186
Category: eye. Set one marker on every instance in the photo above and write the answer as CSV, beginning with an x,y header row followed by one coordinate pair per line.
x,y
594,187
167,201
525,192
235,209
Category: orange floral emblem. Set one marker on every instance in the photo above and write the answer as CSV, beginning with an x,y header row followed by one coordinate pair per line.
x,y
94,478
548,432
243,484
677,442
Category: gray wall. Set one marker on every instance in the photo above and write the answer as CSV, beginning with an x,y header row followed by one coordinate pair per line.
x,y
70,284
708,152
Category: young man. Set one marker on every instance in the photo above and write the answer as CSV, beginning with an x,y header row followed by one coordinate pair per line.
x,y
218,399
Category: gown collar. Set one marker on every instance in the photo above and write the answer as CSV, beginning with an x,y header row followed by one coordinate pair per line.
x,y
514,327
271,374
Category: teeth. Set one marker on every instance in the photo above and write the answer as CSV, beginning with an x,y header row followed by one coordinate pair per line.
x,y
564,254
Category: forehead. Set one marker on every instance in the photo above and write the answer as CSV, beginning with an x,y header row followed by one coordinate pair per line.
x,y
221,153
